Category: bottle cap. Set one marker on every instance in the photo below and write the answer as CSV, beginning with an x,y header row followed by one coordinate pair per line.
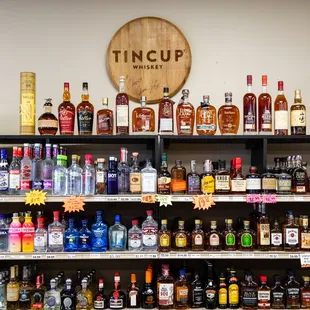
x,y
264,80
133,278
206,98
280,85
134,222
253,169
306,279
246,222
135,154
105,101
149,212
182,272
249,79
88,157
263,278
98,212
164,222
164,156
84,222
213,223
15,215
229,221
148,276
122,79
185,92
165,266
56,213
85,85
166,90
117,218
238,162
197,222
100,160
181,222
297,94
143,98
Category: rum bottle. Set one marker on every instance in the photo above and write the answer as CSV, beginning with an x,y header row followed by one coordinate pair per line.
x,y
105,119
122,109
280,112
178,178
185,115
298,115
143,119
165,289
206,117
197,237
264,110
249,110
164,237
193,180
48,122
182,291
165,114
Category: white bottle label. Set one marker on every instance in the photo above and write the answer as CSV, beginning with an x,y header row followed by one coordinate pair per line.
x,y
149,182
100,177
165,124
276,238
56,237
149,236
116,303
281,120
14,181
238,185
291,236
165,292
40,240
298,118
254,184
264,234
122,115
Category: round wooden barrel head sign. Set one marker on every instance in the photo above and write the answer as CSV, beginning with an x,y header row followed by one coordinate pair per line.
x,y
151,53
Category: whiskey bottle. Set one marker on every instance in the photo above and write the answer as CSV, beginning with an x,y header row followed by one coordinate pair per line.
x,y
291,234
12,291
292,294
207,178
181,238
304,233
182,290
248,292
185,115
264,110
197,292
117,298
246,238
264,294
48,122
229,235
100,300
222,179
249,110
298,115
280,112
164,177
105,119
284,183
253,181
133,293
197,237
193,180
148,294
206,117
229,117
278,296
305,294
269,182
135,175
233,291
222,292
263,230
238,181
213,238
165,114
299,178
122,109
276,237
143,119
210,289
165,289
178,178
164,237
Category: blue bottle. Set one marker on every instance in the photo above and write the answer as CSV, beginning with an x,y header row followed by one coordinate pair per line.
x,y
112,179
71,237
99,234
85,237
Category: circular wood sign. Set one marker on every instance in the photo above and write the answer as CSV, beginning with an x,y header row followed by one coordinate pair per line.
x,y
151,53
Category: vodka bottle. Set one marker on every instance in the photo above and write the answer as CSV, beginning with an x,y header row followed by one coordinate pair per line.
x,y
99,234
4,234
48,166
149,232
149,179
55,153
89,176
37,168
112,183
4,173
123,171
14,173
75,178
117,235
135,237
40,237
28,234
84,237
25,169
71,237
60,176
55,234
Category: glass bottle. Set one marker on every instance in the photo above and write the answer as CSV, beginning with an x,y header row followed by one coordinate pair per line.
x,y
193,180
222,292
25,289
248,292
68,297
52,297
185,115
4,235
133,293
84,297
28,234
71,237
12,291
135,237
112,178
48,122
291,232
148,294
178,178
105,119
165,114
4,173
25,169
117,298
264,110
47,167
40,236
264,294
85,113
229,235
89,176
100,300
249,110
278,297
299,178
292,294
37,295
269,182
238,181
222,179
276,237
211,289
143,118
246,238
84,235
164,177
213,238
305,294
15,234
37,168
117,236
60,176
182,290
122,109
14,173
75,177
165,289
66,113
304,233
135,175
233,291
181,238
164,237
123,172
149,232
280,112
148,179
101,177
206,117
197,292
263,231
298,115
55,235
228,117
197,237
207,178
253,181
99,234
284,183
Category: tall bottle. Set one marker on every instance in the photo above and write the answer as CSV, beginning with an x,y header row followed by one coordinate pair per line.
x,y
143,118
193,180
298,115
4,235
52,297
264,110
206,117
14,173
182,291
40,236
100,300
148,179
26,167
122,109
105,119
123,172
164,177
75,177
15,234
89,176
112,177
27,103
68,297
28,234
4,173
85,113
148,294
117,235
135,175
48,166
55,234
71,237
101,177
185,115
249,110
99,234
25,289
117,298
280,112
37,168
60,176
165,289
12,291
149,232
133,293
210,289
165,114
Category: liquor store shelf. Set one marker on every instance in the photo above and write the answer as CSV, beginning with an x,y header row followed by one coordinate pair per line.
x,y
149,255
137,198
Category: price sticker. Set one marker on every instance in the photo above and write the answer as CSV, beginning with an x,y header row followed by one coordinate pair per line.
x,y
148,198
273,256
253,198
50,256
94,255
236,198
269,198
247,254
164,200
223,198
151,255
229,255
195,255
305,260
298,198
164,255
74,204
293,256
140,256
217,255
71,256
203,202
2,256
265,255
115,255
35,198
182,255
36,256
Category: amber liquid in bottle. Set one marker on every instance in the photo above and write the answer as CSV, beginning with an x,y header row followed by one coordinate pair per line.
x,y
164,237
185,115
264,110
122,109
178,178
48,122
280,113
206,117
213,238
249,110
298,115
165,114
105,119
197,237
143,119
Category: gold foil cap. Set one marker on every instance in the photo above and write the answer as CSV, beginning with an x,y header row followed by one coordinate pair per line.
x,y
181,222
197,222
229,221
105,101
306,278
213,223
100,160
297,94
164,221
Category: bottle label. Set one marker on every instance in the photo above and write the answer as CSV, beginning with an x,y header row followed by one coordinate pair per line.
x,y
165,125
135,182
264,234
253,184
246,240
222,182
149,182
197,294
193,184
25,185
164,240
40,240
281,120
238,185
305,298
276,239
37,184
182,294
12,293
118,239
278,297
233,292
222,296
210,296
230,119
165,294
298,118
178,185
122,116
149,236
133,298
249,297
134,240
186,119
180,240
24,295
14,181
266,120
3,239
269,183
105,122
99,303
291,235
263,299
85,121
164,184
47,184
56,236
305,240
206,119
249,121
293,293
15,239
208,184
214,240
37,300
100,177
67,303
230,239
198,239
300,181
284,185
66,121
4,181
47,123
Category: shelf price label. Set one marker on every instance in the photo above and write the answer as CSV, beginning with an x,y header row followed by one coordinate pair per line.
x,y
217,255
293,256
74,204
195,255
50,256
139,256
164,200
269,198
115,256
35,198
148,198
94,255
305,260
36,256
182,255
71,256
253,198
203,202
273,256
164,255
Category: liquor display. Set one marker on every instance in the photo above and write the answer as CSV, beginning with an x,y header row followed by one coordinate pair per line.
x,y
264,110
122,109
185,115
48,122
281,116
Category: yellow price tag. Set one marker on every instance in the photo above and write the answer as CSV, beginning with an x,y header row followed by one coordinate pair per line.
x,y
203,202
35,197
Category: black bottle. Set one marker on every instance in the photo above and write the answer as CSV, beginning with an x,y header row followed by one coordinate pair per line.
x,y
148,295
210,290
197,292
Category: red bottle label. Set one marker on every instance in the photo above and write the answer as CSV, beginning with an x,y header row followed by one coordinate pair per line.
x,y
66,122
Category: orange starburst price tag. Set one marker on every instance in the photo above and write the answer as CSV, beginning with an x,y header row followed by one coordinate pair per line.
x,y
35,198
148,198
74,204
203,202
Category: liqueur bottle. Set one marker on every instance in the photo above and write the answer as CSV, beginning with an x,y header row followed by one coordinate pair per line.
x,y
84,298
185,115
165,114
206,117
112,177
123,172
133,293
37,295
85,113
264,294
305,294
210,289
165,289
105,119
197,292
263,231
213,238
164,237
48,122
229,117
229,235
135,237
182,290
117,235
100,300
292,294
122,109
68,297
264,110
197,237
276,237
298,115
99,234
222,293
278,297
149,232
143,119
12,291
181,238
249,110
299,178
222,179
164,177
193,180
207,178
178,178
117,298
291,234
233,291
253,181
248,292
238,181
280,112
85,236
135,175
148,294
246,238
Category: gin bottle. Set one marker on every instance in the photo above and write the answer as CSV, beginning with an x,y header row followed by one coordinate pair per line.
x,y
149,232
117,235
71,237
37,168
99,234
4,235
48,166
75,178
25,170
149,179
55,234
4,173
84,238
123,172
89,176
112,180
40,237
60,176
14,173
52,297
135,237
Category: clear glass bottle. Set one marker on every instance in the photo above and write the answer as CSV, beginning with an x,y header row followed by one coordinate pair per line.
x,y
4,235
71,237
55,234
4,173
148,179
135,175
40,236
112,178
60,177
101,177
281,112
52,297
165,114
135,237
99,234
182,291
193,180
68,297
14,174
206,117
37,168
25,169
123,171
89,176
117,235
178,178
47,167
185,115
149,232
298,115
75,177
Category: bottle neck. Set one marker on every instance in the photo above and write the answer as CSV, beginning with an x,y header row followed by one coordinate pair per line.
x,y
47,152
249,87
193,167
123,158
66,95
163,226
122,86
85,95
56,218
265,89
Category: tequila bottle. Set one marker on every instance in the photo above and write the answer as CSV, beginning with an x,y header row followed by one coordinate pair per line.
x,y
85,236
37,295
52,297
135,237
71,237
89,176
99,234
84,297
68,297
117,235
149,179
149,232
55,235
75,177
60,176
123,172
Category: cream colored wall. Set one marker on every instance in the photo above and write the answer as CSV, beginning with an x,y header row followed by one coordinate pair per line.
x,y
67,41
